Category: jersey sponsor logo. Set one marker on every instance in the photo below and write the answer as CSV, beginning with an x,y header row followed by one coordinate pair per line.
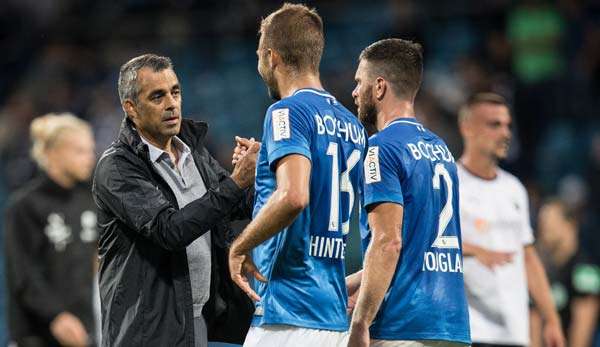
x,y
442,262
586,278
58,232
88,226
327,247
372,171
423,150
281,124
346,131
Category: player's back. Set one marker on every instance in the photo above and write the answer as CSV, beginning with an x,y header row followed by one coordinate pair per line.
x,y
304,263
409,165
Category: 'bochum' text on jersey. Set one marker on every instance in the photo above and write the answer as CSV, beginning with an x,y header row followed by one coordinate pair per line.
x,y
304,263
409,165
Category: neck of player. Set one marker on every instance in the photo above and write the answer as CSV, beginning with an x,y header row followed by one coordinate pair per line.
x,y
390,110
479,164
290,83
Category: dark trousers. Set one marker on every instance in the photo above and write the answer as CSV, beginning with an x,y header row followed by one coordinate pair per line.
x,y
36,341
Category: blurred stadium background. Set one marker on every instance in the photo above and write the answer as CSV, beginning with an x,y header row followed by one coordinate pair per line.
x,y
544,56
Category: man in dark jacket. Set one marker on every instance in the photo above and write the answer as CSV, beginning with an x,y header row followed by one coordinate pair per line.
x,y
164,206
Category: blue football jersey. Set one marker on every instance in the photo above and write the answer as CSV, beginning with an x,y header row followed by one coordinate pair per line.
x,y
409,165
304,263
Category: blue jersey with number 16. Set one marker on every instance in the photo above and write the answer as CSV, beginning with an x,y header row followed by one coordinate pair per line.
x,y
304,263
408,165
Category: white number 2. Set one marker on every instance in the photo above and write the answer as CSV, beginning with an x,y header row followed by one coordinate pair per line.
x,y
446,214
337,187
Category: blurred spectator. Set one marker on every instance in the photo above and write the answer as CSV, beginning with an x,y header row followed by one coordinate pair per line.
x,y
574,277
535,29
51,239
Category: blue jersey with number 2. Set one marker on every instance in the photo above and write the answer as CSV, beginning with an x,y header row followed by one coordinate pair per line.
x,y
408,165
304,263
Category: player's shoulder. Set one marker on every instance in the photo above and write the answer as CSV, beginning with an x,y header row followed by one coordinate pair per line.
x,y
378,139
406,130
384,146
25,195
290,106
510,180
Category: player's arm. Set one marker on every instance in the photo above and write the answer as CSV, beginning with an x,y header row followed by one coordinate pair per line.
x,y
539,289
352,287
284,205
353,282
381,259
584,315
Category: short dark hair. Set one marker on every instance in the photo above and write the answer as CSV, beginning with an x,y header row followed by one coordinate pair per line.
x,y
480,98
400,62
486,98
296,33
128,88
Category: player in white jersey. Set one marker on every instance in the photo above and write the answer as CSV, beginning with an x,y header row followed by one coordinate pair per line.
x,y
500,264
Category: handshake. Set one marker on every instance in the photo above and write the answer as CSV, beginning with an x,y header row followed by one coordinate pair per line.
x,y
244,161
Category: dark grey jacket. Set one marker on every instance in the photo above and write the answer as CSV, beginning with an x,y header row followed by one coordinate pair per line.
x,y
144,279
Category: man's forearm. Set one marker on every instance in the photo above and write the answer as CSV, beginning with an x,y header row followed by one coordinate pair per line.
x,y
584,315
380,263
353,281
469,249
538,285
278,213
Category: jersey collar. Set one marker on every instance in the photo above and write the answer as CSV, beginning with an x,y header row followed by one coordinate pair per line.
x,y
409,121
314,91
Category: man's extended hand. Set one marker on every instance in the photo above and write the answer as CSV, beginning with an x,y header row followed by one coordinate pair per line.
x,y
492,259
241,147
68,330
241,264
352,299
245,163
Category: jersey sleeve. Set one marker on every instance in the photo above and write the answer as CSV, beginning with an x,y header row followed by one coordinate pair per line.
x,y
382,175
287,131
527,237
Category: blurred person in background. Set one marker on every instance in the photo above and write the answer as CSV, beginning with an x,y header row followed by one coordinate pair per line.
x,y
51,239
501,264
573,276
164,207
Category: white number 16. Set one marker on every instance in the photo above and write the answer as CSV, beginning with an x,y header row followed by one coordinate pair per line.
x,y
337,187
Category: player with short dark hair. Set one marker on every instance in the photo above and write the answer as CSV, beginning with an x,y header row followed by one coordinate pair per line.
x,y
308,177
164,210
501,263
411,287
